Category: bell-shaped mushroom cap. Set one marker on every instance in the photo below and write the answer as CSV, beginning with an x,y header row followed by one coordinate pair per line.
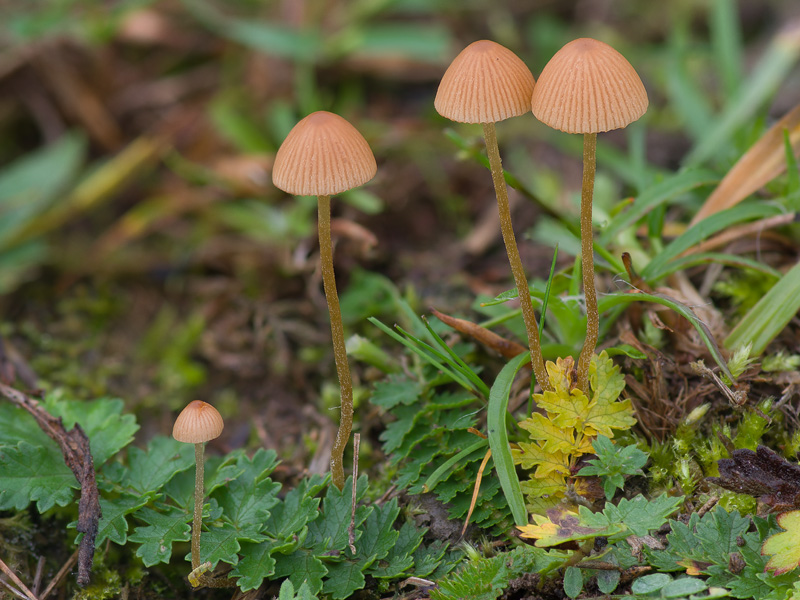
x,y
323,155
588,87
486,83
199,422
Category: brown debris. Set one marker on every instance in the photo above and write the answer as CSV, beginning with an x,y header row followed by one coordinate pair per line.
x,y
74,445
506,348
763,474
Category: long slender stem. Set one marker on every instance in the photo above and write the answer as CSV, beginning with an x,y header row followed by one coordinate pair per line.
x,y
197,522
587,261
507,228
337,334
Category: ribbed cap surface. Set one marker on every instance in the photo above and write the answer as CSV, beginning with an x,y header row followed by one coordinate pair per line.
x,y
486,83
323,155
199,422
588,87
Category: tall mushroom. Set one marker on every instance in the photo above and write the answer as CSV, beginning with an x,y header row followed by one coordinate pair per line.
x,y
588,87
325,155
487,83
198,423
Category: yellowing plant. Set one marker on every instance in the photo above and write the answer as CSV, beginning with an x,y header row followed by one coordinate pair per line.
x,y
570,423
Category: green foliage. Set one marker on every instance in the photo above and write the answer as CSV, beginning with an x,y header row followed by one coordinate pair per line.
x,y
661,585
147,501
613,464
570,423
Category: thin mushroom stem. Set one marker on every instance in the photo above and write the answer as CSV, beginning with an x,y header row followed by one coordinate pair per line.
x,y
337,334
587,261
507,228
197,522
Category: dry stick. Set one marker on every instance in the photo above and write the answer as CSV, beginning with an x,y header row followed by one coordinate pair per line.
x,y
587,262
37,578
17,580
351,530
337,335
507,228
62,572
12,589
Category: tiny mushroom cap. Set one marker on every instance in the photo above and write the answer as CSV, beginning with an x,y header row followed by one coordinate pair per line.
x,y
485,83
323,155
199,422
588,87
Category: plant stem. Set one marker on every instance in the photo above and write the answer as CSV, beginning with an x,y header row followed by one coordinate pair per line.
x,y
587,262
507,228
197,522
337,334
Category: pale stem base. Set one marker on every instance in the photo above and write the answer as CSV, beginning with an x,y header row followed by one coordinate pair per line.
x,y
337,335
507,228
587,262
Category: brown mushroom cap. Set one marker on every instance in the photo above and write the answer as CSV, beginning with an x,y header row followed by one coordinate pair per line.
x,y
199,422
323,155
588,87
486,83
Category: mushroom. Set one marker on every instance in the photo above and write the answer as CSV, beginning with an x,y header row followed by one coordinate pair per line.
x,y
484,84
325,155
198,423
588,87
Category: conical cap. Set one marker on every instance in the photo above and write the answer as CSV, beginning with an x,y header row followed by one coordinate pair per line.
x,y
199,422
323,155
588,87
486,83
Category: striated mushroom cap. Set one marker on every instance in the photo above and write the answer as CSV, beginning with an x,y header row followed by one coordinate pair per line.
x,y
486,83
323,155
588,87
199,422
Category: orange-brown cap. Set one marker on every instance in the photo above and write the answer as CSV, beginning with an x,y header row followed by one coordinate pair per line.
x,y
486,83
588,87
199,422
323,155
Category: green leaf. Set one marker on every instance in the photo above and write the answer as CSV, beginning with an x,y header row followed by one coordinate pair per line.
x,y
113,524
34,474
330,533
379,535
301,567
219,543
640,515
256,564
343,579
396,431
149,471
400,556
573,582
162,531
784,547
297,509
396,389
245,501
650,583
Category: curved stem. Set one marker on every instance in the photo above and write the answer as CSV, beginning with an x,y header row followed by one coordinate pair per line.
x,y
197,522
507,228
587,262
337,334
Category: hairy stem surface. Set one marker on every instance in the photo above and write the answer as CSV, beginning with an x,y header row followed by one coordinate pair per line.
x,y
587,262
507,228
197,522
337,334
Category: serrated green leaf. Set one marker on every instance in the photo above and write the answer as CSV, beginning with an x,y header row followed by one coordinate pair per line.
x,y
428,557
343,579
396,389
297,509
399,558
113,525
246,500
301,567
640,515
34,474
379,535
330,532
219,544
396,431
256,564
148,471
162,531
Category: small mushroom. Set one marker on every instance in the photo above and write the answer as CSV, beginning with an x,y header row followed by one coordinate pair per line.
x,y
325,155
588,87
487,83
197,424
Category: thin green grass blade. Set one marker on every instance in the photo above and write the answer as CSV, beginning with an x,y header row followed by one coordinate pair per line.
x,y
498,438
792,173
610,301
686,98
656,195
457,362
726,40
732,260
547,292
657,267
451,462
769,316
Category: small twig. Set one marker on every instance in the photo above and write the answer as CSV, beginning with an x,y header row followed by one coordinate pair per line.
x,y
12,589
351,529
712,502
62,572
17,580
37,579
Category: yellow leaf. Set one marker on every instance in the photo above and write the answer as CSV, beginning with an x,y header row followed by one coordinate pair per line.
x,y
784,546
552,486
559,526
561,375
602,418
605,379
555,438
565,410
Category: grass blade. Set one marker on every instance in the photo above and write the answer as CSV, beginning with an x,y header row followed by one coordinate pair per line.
x,y
498,438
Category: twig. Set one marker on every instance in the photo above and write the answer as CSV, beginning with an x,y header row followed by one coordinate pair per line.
x,y
351,529
62,572
735,233
12,589
37,579
16,580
